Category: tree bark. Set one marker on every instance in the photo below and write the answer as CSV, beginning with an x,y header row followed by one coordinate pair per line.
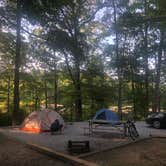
x,y
146,64
118,63
78,99
146,73
77,85
55,89
78,103
8,94
120,98
17,65
45,90
133,93
36,100
156,97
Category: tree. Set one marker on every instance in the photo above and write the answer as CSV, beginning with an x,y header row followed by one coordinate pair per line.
x,y
116,9
17,63
7,45
63,33
160,53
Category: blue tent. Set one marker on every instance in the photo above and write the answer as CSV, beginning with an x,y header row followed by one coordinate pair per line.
x,y
105,114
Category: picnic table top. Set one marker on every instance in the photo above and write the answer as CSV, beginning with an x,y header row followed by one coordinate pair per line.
x,y
97,121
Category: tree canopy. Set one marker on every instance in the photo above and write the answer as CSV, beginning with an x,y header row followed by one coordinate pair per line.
x,y
82,55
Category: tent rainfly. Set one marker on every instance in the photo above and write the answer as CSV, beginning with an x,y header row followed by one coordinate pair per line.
x,y
40,121
106,114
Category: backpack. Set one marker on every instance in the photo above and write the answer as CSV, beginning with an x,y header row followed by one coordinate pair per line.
x,y
55,126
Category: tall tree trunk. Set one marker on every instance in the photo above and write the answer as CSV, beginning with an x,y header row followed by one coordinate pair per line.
x,y
77,85
120,98
133,93
118,63
78,100
45,90
156,97
159,106
8,94
92,107
146,64
92,104
17,66
78,103
36,100
146,74
55,89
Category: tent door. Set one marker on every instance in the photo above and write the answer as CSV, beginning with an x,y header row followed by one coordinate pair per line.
x,y
101,116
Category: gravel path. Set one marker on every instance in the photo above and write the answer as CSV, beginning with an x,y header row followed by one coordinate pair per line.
x,y
59,142
76,132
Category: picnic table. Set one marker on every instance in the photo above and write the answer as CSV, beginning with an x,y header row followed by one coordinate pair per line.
x,y
126,128
106,126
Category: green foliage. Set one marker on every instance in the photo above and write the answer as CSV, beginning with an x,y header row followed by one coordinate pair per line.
x,y
66,44
5,119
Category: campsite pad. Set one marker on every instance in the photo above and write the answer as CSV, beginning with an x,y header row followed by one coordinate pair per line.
x,y
58,142
151,152
13,153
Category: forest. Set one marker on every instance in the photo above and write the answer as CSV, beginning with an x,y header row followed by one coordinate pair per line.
x,y
79,56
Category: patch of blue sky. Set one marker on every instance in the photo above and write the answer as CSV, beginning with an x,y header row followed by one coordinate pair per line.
x,y
99,15
108,40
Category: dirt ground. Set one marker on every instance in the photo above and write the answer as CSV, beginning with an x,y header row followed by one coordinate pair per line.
x,y
147,153
13,153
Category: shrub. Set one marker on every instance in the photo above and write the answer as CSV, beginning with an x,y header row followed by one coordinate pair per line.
x,y
5,119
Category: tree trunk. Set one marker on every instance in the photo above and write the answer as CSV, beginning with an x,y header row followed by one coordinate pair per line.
x,y
8,94
118,63
36,102
133,94
120,98
159,106
146,62
77,84
78,103
146,72
78,99
17,66
45,89
55,90
156,100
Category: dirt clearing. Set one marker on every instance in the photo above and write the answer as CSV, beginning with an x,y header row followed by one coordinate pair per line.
x,y
150,152
13,153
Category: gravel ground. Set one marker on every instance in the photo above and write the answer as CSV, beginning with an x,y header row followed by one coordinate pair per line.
x,y
145,130
59,142
76,132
